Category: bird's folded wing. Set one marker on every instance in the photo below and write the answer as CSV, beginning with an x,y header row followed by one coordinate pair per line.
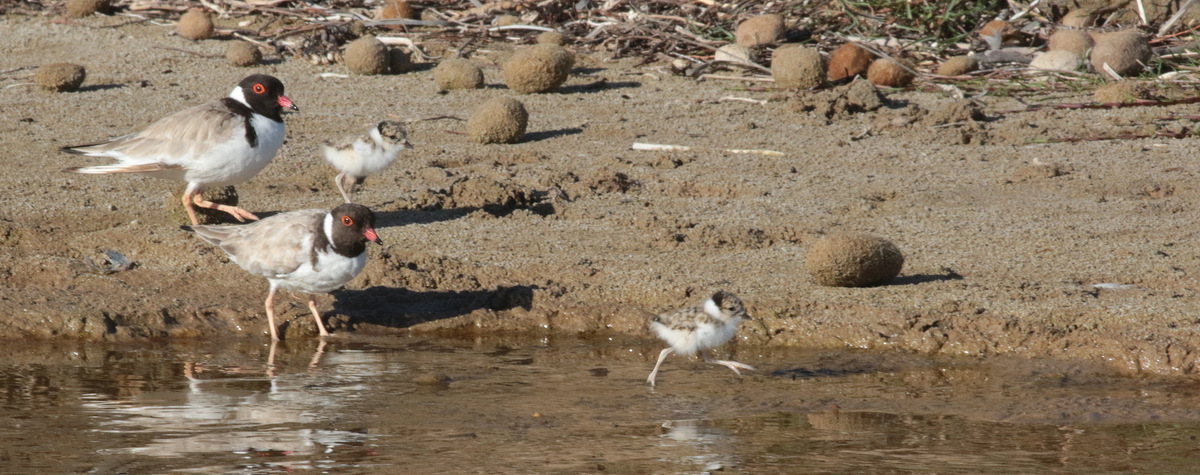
x,y
174,139
277,245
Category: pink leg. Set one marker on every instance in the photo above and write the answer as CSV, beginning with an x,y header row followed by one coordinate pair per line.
x,y
734,365
312,305
196,198
661,356
271,314
346,184
187,204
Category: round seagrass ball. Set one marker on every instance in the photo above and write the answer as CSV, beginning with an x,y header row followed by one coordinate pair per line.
x,y
538,68
366,56
1126,52
82,8
958,66
499,120
854,260
457,73
1073,40
242,54
552,38
760,30
395,9
889,73
60,77
797,67
1056,60
849,60
195,25
506,20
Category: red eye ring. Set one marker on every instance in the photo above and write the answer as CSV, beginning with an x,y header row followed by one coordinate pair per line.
x,y
259,89
347,221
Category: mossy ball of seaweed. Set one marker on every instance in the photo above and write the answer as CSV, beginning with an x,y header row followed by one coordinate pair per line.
x,y
395,9
1073,40
538,68
958,66
849,60
1055,60
760,30
60,77
500,120
1122,91
888,73
399,61
195,25
1126,52
552,38
82,8
854,260
225,195
242,54
366,56
506,20
797,67
457,73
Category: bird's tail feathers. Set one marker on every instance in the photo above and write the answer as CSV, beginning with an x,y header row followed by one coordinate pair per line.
x,y
122,168
211,234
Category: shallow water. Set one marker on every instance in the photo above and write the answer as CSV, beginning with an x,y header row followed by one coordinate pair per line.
x,y
421,405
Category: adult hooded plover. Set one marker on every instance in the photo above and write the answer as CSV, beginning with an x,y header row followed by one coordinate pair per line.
x,y
309,251
223,142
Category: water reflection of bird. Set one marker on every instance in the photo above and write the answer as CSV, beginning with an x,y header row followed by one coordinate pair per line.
x,y
701,328
235,408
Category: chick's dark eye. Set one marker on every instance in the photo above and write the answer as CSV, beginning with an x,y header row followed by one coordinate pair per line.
x,y
259,89
347,221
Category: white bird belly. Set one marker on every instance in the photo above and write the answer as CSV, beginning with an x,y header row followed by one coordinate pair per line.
x,y
362,158
236,161
703,337
332,271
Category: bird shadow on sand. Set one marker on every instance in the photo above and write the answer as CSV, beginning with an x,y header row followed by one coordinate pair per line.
x,y
405,217
400,308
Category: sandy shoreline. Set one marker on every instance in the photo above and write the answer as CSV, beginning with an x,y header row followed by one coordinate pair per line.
x,y
573,232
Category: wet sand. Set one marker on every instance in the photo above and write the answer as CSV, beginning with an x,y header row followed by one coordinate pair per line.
x,y
573,233
557,405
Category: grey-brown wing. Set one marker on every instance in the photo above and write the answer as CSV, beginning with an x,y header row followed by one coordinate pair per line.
x,y
274,246
176,138
682,319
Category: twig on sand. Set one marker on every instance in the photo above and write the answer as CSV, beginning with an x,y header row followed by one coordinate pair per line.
x,y
742,99
1109,105
399,40
260,44
1156,135
436,117
736,78
520,27
685,148
181,50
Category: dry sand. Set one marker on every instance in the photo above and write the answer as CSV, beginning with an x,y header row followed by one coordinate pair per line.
x,y
573,232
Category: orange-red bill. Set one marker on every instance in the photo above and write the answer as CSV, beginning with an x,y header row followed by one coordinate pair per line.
x,y
285,102
370,234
